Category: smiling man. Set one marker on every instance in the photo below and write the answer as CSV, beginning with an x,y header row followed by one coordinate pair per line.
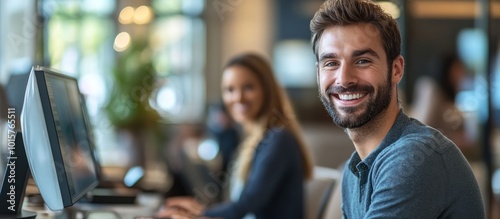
x,y
401,168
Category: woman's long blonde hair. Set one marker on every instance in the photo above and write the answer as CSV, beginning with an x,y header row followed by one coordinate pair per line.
x,y
276,112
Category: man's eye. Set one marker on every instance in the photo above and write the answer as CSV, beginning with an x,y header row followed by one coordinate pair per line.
x,y
363,61
330,64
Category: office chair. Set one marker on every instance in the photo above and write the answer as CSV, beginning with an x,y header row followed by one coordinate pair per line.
x,y
319,192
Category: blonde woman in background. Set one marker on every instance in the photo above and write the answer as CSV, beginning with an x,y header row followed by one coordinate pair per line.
x,y
273,159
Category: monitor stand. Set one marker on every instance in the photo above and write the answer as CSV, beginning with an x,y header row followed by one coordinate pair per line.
x,y
15,179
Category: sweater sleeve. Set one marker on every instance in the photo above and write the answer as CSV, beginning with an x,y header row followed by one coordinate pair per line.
x,y
270,164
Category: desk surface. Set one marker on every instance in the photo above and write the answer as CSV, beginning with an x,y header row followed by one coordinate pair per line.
x,y
146,205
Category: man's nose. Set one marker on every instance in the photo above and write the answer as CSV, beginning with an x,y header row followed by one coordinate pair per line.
x,y
346,76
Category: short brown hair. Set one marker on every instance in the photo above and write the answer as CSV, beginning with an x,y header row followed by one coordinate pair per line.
x,y
346,12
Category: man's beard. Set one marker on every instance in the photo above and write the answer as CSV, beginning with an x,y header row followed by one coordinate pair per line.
x,y
372,108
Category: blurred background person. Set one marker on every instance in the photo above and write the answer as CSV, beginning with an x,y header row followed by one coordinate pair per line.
x,y
179,154
434,102
224,130
191,170
273,160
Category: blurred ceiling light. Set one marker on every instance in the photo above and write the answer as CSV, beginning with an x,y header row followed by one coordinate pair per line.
x,y
391,8
143,15
122,42
126,15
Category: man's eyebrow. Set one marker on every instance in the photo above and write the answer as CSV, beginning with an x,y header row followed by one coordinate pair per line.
x,y
357,53
324,56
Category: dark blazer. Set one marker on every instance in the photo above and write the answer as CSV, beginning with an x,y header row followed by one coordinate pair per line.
x,y
274,188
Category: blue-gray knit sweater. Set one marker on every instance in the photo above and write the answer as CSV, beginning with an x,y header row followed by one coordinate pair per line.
x,y
415,172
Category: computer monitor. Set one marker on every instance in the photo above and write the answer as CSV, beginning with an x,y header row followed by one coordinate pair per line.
x,y
57,139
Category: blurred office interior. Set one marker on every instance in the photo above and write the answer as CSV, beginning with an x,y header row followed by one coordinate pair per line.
x,y
150,70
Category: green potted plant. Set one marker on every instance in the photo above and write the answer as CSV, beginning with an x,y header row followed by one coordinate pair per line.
x,y
128,108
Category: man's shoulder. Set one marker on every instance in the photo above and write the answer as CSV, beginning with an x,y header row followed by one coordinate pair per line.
x,y
417,143
417,136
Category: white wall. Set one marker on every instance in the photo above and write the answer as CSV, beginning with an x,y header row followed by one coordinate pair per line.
x,y
234,27
249,27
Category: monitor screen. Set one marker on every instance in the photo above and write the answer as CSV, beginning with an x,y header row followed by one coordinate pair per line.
x,y
57,137
72,134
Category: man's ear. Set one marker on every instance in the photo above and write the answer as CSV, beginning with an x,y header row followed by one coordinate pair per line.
x,y
398,69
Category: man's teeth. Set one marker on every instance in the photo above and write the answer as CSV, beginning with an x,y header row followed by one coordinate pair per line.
x,y
350,96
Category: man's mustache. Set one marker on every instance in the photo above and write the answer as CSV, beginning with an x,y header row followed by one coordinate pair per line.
x,y
357,88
